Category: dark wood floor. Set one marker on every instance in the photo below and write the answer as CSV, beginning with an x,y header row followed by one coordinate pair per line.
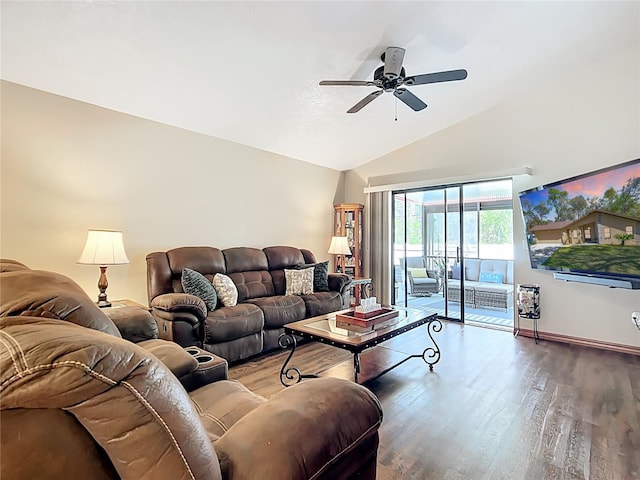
x,y
495,407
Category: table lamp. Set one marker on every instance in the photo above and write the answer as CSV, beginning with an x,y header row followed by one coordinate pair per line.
x,y
103,248
339,246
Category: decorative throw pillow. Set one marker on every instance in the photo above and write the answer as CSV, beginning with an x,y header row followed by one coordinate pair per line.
x,y
418,272
226,290
320,275
455,272
194,283
491,277
299,282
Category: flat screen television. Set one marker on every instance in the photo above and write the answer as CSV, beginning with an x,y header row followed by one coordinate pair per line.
x,y
587,228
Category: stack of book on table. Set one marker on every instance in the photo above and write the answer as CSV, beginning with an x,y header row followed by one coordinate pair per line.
x,y
367,317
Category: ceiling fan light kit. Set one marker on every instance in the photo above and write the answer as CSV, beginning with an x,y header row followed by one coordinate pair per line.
x,y
391,76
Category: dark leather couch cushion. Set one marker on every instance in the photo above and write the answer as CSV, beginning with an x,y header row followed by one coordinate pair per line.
x,y
134,323
8,265
38,293
238,349
253,284
321,303
221,404
205,260
245,259
228,323
281,309
172,355
279,259
283,257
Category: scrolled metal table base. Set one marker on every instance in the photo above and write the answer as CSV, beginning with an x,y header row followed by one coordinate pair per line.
x,y
292,375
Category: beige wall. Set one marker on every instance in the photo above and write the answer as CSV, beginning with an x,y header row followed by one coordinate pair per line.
x,y
587,119
69,166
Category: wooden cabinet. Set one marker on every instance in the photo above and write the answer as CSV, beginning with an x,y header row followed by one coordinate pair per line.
x,y
348,222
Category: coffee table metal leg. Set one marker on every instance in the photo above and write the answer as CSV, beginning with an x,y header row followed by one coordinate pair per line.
x,y
431,355
356,366
292,375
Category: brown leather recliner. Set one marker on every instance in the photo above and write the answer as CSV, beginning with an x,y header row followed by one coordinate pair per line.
x,y
78,402
51,295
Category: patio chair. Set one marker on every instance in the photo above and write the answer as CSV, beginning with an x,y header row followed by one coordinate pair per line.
x,y
421,280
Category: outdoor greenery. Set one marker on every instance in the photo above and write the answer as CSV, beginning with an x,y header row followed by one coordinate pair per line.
x,y
597,258
560,207
413,224
623,237
496,226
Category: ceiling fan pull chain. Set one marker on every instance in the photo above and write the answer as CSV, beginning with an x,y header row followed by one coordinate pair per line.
x,y
396,103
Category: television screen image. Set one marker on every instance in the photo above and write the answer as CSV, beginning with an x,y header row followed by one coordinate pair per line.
x,y
588,225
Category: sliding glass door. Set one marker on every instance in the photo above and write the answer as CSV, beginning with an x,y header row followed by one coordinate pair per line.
x,y
438,234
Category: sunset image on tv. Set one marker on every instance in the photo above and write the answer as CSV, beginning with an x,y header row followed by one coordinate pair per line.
x,y
589,223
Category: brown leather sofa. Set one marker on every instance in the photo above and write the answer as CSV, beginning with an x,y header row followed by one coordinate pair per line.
x,y
79,401
252,326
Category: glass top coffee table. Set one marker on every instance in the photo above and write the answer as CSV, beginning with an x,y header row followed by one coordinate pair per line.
x,y
379,359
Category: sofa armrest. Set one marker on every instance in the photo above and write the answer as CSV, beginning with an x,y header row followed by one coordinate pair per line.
x,y
193,366
134,323
180,302
339,282
180,318
331,430
433,274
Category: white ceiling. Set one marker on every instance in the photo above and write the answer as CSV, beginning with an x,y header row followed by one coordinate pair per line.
x,y
249,71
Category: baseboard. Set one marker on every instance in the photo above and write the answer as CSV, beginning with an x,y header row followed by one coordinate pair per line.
x,y
584,342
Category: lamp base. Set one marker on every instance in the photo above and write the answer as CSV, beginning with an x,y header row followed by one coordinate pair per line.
x,y
102,286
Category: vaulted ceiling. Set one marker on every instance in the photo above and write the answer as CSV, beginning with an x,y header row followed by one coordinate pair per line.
x,y
248,72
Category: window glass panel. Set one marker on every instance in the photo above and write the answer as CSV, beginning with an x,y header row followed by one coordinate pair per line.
x,y
496,234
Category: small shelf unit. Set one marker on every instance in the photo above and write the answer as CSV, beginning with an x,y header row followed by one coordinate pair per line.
x,y
348,222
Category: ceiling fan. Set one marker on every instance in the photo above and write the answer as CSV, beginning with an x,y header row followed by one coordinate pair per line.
x,y
391,77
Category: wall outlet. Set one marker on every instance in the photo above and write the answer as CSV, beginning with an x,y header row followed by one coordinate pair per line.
x,y
635,318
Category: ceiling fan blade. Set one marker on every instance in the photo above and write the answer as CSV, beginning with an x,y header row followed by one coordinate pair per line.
x,y
409,99
448,76
352,83
365,101
393,58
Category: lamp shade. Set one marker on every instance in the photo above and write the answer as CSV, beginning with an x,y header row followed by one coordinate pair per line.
x,y
339,246
103,247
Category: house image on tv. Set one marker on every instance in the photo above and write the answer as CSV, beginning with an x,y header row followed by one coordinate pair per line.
x,y
597,226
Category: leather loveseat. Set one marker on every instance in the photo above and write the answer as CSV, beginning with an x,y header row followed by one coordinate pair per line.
x,y
79,401
253,325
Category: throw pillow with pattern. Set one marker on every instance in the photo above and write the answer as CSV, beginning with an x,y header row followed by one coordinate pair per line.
x,y
194,283
491,277
320,275
226,290
299,282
